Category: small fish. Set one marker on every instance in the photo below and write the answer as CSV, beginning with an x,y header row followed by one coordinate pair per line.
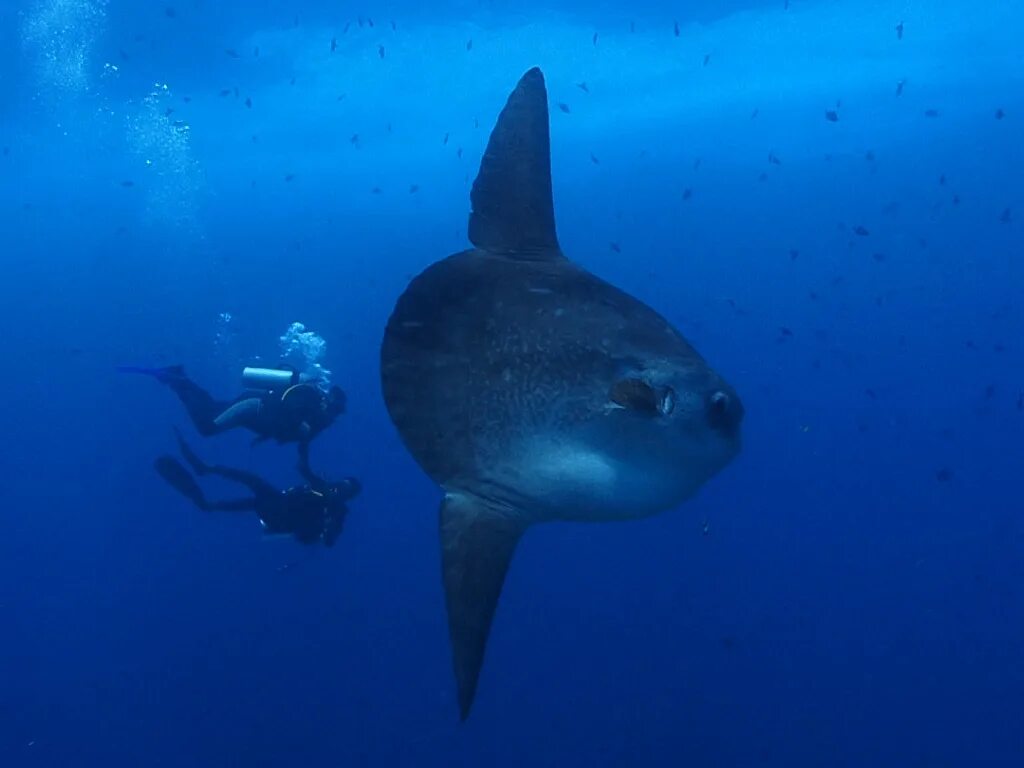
x,y
687,193
1000,114
414,188
594,159
696,163
944,475
931,113
444,141
871,393
248,102
832,116
354,140
394,26
990,392
1005,217
785,332
341,97
878,256
869,156
369,22
942,180
380,51
785,5
956,199
376,191
861,231
469,45
346,28
794,254
755,113
594,39
231,52
256,52
899,87
170,13
899,31
763,177
225,92
7,151
615,247
334,44
289,177
632,27
583,86
707,58
458,153
675,28
127,183
564,107
773,159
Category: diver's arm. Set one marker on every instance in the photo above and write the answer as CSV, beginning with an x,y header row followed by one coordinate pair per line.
x,y
316,482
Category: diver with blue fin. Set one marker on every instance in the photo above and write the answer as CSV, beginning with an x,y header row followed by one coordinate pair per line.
x,y
278,403
313,512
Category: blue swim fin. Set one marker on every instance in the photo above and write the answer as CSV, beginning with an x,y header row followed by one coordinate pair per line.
x,y
179,478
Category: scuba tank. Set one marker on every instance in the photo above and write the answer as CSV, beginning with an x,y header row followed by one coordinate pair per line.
x,y
269,379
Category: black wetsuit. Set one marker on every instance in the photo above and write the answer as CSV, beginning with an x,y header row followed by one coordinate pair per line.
x,y
295,413
311,513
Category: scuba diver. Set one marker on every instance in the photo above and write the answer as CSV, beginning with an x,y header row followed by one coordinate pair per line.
x,y
278,403
314,512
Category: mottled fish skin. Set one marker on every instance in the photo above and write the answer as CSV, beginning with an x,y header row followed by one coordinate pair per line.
x,y
531,390
485,356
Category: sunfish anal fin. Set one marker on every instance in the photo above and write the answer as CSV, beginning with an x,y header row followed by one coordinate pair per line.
x,y
477,542
513,213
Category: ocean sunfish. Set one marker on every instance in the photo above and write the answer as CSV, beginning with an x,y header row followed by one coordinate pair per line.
x,y
531,390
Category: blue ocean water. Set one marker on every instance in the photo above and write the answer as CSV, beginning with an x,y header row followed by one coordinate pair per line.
x,y
824,196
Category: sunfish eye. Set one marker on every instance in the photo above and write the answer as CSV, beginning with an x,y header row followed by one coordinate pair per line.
x,y
639,396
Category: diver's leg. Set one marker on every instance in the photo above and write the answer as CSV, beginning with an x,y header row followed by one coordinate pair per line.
x,y
254,483
202,408
260,487
233,505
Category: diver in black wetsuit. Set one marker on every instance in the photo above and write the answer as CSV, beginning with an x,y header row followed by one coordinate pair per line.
x,y
314,512
279,404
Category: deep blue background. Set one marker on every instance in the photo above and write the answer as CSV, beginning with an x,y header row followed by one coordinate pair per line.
x,y
848,607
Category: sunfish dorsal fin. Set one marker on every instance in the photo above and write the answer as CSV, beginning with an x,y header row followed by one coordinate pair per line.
x,y
513,213
477,543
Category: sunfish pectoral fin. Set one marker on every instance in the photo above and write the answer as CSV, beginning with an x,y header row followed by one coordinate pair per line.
x,y
513,213
477,542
